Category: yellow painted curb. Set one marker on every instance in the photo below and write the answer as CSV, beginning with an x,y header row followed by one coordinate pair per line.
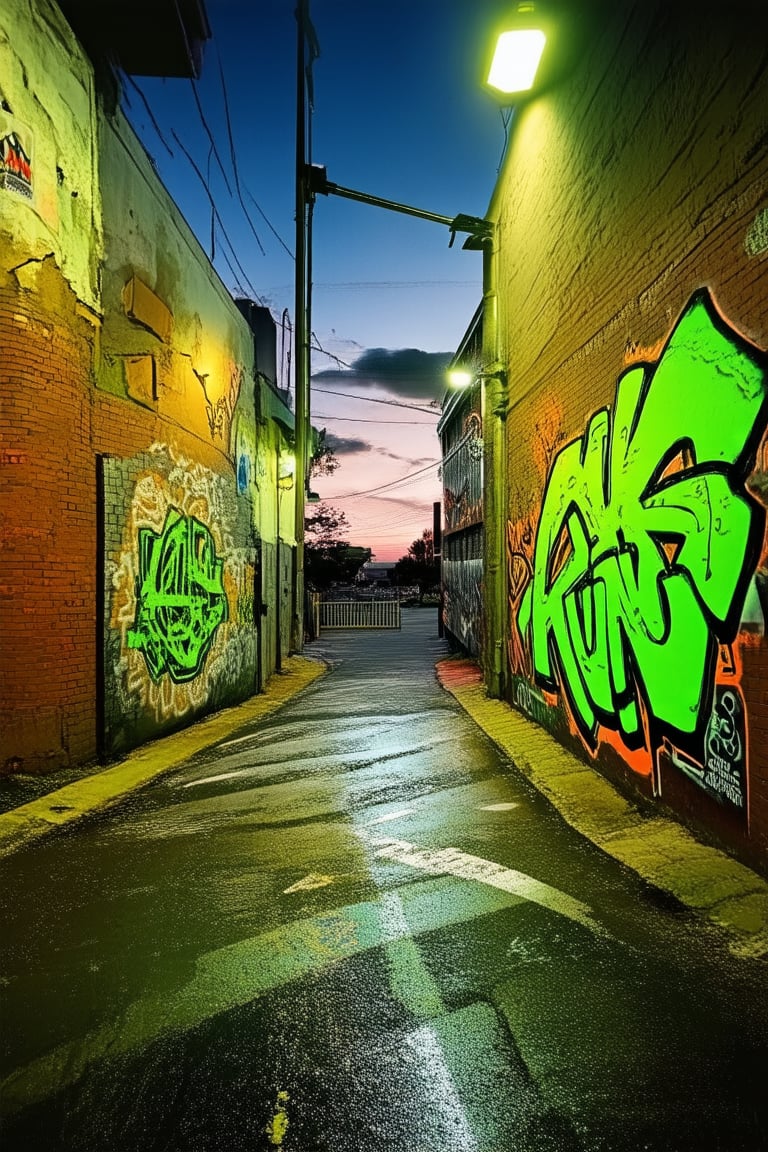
x,y
658,849
104,788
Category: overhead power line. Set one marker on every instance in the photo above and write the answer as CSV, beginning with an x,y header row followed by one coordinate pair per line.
x,y
235,170
375,400
215,151
149,112
217,217
209,134
390,485
362,420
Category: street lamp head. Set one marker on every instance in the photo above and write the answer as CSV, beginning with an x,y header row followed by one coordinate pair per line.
x,y
465,378
518,53
460,378
287,465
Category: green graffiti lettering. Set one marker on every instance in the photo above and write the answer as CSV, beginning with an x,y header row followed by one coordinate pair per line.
x,y
648,539
180,598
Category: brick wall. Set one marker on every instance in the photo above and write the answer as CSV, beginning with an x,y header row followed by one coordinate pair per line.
x,y
47,609
634,182
64,523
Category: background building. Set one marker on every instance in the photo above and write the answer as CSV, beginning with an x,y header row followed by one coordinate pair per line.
x,y
148,541
461,438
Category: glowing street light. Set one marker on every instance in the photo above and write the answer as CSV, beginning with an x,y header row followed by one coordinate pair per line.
x,y
460,378
517,55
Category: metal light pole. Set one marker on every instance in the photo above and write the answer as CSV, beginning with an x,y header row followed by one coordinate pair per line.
x,y
301,333
494,405
311,180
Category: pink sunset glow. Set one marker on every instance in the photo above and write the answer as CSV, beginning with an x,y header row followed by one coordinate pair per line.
x,y
380,418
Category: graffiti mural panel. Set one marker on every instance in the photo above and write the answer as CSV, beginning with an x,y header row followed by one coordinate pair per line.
x,y
463,602
180,598
629,595
179,636
463,476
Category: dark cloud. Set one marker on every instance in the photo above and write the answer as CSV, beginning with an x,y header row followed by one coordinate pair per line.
x,y
412,462
423,508
346,445
403,371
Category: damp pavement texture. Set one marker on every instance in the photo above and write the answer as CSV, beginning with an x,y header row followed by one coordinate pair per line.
x,y
353,923
90,790
660,850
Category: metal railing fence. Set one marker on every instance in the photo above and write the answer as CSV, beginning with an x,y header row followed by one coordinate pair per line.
x,y
359,614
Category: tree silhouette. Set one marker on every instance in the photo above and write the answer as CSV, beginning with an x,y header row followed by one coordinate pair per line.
x,y
419,566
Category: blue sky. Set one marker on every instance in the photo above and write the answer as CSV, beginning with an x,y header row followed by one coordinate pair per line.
x,y
399,111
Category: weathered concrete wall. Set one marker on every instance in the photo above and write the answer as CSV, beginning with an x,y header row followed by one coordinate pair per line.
x,y
47,117
179,536
633,276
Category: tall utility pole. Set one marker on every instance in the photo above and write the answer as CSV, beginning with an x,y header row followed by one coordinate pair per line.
x,y
301,334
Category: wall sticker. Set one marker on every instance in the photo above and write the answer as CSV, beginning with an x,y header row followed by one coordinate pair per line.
x,y
645,549
16,173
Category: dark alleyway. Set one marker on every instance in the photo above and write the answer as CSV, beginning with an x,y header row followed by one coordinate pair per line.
x,y
355,926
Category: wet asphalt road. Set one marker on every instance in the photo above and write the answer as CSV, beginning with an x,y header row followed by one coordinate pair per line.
x,y
354,928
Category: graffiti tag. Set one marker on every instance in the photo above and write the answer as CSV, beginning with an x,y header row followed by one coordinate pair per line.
x,y
648,539
724,755
180,597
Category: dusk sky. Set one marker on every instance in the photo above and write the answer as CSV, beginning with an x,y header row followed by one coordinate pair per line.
x,y
400,112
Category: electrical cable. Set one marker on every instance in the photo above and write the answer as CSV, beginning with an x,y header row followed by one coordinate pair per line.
x,y
360,420
391,484
317,347
209,134
238,286
505,122
219,221
268,222
149,112
206,126
233,157
375,400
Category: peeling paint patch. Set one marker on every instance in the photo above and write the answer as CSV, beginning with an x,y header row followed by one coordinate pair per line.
x,y
756,240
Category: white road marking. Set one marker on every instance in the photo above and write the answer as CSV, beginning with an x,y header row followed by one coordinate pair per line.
x,y
241,739
497,807
391,816
313,880
440,1086
411,982
213,779
462,865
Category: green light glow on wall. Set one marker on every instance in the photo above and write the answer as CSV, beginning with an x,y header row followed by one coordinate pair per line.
x,y
180,598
